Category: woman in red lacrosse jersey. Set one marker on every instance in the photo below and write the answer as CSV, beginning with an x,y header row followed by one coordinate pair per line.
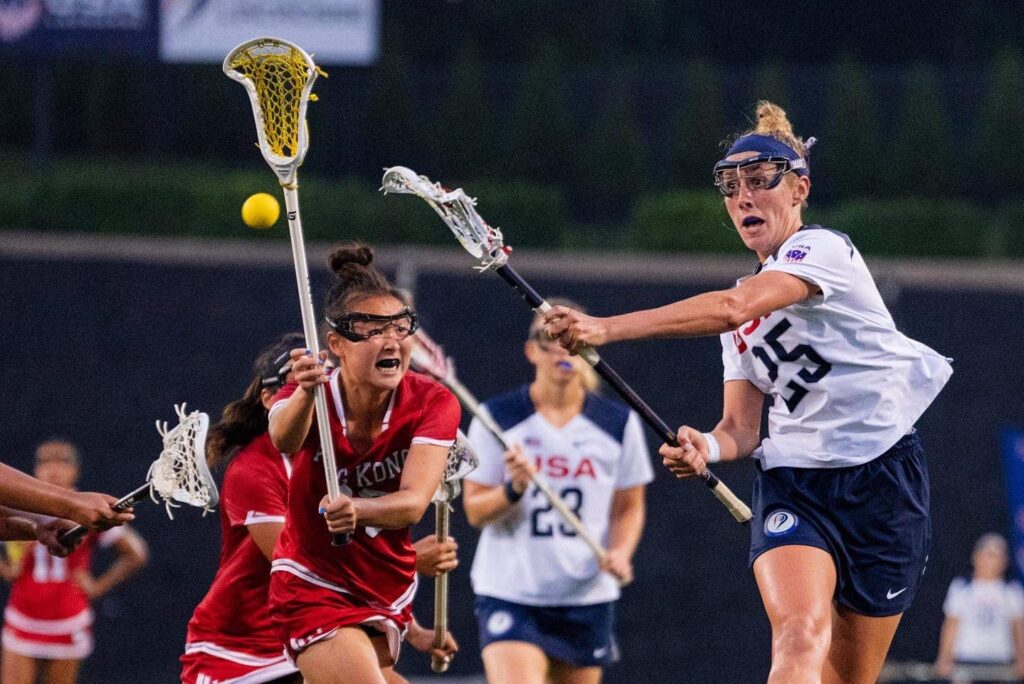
x,y
48,621
231,636
341,611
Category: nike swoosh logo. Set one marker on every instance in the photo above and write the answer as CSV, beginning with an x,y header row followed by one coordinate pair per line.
x,y
599,652
893,594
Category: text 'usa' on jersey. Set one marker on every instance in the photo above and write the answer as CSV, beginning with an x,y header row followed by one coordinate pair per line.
x,y
845,383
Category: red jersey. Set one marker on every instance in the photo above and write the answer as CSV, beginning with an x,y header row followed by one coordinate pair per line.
x,y
48,614
378,568
234,616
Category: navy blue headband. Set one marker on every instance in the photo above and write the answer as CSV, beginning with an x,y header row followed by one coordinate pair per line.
x,y
768,145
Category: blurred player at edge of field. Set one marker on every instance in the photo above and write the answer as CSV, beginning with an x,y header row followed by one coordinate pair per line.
x,y
48,620
984,623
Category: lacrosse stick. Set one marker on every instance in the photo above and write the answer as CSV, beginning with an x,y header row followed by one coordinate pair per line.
x,y
461,460
179,474
279,77
486,244
428,357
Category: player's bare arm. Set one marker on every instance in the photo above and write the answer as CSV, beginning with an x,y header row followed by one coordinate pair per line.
x,y
485,504
132,555
737,434
626,525
290,422
710,313
405,507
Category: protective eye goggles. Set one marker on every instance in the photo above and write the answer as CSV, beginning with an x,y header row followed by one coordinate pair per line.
x,y
358,327
730,174
277,372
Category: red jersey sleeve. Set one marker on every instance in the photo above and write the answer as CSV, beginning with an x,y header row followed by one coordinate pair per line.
x,y
253,493
312,438
439,420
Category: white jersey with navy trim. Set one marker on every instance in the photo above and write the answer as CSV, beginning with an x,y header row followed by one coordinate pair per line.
x,y
531,556
985,612
845,383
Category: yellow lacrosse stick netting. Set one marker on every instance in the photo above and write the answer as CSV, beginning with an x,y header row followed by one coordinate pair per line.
x,y
279,77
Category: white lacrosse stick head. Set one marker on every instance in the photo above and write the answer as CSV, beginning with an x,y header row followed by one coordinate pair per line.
x,y
279,76
462,460
456,209
180,475
428,357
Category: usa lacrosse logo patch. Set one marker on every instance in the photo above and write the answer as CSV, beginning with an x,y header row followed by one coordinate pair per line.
x,y
780,523
794,255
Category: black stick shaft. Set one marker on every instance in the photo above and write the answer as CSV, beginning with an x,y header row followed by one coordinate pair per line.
x,y
538,303
75,533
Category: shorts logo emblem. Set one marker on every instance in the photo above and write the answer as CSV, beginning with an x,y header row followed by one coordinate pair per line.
x,y
600,652
893,594
780,523
499,622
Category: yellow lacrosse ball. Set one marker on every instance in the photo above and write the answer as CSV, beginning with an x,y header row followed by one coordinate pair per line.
x,y
261,211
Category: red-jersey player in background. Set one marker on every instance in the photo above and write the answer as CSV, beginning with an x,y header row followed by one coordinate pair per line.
x,y
342,610
230,636
48,620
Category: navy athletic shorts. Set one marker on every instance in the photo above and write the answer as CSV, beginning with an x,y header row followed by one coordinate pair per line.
x,y
578,635
872,518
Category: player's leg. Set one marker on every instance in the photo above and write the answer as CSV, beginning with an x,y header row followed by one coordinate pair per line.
x,y
514,662
564,673
859,646
796,585
16,668
61,671
349,657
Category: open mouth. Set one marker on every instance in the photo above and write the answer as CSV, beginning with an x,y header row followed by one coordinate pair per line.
x,y
388,364
750,221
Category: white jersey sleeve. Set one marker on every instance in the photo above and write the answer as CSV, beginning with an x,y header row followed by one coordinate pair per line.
x,y
953,606
821,257
490,472
1015,600
636,458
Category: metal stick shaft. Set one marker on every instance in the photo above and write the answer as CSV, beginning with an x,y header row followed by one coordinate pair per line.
x,y
309,329
442,516
75,533
739,510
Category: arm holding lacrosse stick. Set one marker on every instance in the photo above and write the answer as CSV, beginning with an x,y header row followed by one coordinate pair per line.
x,y
25,493
179,475
486,244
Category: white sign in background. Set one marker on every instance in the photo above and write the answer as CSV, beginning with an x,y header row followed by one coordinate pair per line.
x,y
340,32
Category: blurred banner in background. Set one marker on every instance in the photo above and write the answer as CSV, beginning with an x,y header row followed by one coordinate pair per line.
x,y
343,32
52,28
1013,459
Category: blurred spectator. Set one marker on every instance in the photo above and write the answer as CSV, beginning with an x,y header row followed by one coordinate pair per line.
x,y
984,622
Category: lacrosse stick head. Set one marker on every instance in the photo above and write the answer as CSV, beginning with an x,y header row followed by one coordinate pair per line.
x,y
180,475
456,209
428,357
279,76
462,460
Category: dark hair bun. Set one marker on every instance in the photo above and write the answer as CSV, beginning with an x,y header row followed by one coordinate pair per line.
x,y
351,259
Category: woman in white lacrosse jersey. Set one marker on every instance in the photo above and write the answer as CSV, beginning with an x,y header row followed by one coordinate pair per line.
x,y
841,528
984,622
47,630
545,606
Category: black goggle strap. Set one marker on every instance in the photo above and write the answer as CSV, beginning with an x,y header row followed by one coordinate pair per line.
x,y
343,325
276,374
782,165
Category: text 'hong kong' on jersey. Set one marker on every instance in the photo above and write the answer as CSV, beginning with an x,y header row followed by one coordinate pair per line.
x,y
845,383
